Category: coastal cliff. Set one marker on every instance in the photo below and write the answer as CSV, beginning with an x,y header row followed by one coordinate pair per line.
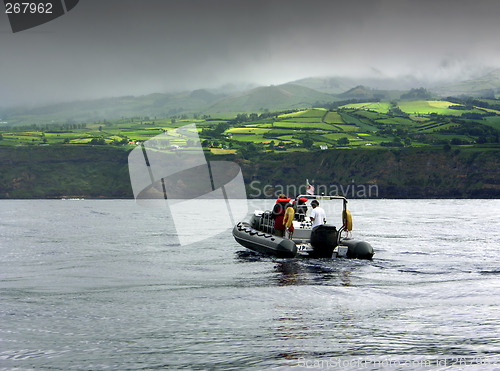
x,y
102,172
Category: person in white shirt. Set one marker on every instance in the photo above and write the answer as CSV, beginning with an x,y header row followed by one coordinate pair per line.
x,y
318,215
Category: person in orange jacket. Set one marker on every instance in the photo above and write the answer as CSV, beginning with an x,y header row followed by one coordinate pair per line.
x,y
279,213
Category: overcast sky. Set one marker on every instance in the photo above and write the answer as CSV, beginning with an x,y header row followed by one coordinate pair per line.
x,y
132,47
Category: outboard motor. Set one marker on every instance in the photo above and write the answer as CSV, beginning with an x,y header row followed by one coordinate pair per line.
x,y
323,241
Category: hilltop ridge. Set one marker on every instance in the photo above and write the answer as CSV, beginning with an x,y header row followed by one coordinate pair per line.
x,y
304,93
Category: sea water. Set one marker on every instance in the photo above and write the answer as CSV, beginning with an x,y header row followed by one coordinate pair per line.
x,y
95,284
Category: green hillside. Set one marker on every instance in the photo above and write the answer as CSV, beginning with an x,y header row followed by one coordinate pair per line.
x,y
287,96
409,143
376,124
403,123
159,105
408,148
305,93
364,93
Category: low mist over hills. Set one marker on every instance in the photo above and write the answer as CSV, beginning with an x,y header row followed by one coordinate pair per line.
x,y
339,85
303,93
487,86
286,96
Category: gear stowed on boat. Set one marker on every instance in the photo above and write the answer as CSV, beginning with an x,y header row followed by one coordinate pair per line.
x,y
321,241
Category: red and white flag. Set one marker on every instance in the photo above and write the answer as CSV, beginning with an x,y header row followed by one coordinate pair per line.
x,y
309,188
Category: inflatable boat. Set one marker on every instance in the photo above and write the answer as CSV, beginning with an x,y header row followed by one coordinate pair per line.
x,y
320,241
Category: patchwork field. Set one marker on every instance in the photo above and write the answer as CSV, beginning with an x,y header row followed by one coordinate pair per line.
x,y
393,124
428,107
381,107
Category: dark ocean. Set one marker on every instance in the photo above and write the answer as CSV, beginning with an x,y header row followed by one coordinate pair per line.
x,y
105,285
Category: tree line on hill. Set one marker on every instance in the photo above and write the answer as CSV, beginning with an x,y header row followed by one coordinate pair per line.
x,y
49,128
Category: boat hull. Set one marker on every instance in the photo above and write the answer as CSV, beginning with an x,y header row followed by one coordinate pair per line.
x,y
268,244
264,243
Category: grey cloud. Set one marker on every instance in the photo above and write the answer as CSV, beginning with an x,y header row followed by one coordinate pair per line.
x,y
123,47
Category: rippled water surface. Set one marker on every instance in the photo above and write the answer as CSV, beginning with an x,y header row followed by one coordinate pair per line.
x,y
105,285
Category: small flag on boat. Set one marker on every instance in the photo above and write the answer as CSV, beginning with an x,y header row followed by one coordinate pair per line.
x,y
309,188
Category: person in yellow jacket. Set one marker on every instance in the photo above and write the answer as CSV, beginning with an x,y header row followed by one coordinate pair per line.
x,y
288,219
